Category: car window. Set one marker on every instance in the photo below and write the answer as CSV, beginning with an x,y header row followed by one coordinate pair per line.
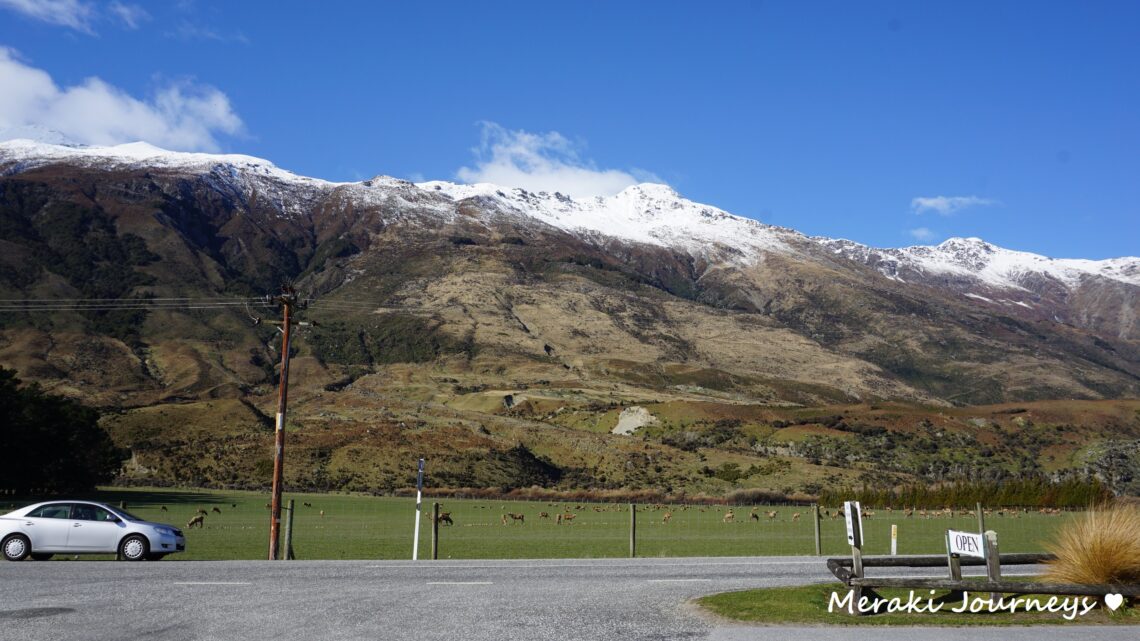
x,y
54,511
83,512
103,515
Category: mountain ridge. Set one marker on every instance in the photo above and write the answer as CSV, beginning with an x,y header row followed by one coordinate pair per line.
x,y
623,216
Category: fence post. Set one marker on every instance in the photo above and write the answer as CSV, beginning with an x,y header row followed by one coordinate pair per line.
x,y
952,561
434,531
815,520
993,561
632,530
981,520
289,533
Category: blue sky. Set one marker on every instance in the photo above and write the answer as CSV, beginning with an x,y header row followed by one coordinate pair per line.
x,y
889,123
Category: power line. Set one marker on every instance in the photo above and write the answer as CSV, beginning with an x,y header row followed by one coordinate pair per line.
x,y
111,304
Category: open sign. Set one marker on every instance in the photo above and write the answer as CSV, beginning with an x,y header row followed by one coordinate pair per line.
x,y
965,544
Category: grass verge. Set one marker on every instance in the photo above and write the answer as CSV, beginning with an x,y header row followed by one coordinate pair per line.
x,y
809,605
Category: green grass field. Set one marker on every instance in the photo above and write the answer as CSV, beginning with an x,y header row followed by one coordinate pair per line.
x,y
365,527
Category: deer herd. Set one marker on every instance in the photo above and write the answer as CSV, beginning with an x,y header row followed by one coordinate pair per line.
x,y
755,514
567,516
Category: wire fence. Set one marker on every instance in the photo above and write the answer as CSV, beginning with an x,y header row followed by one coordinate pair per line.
x,y
329,526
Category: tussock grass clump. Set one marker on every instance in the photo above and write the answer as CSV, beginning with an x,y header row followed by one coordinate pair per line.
x,y
1102,546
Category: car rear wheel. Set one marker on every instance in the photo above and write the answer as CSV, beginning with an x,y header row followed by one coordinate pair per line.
x,y
41,556
134,548
17,547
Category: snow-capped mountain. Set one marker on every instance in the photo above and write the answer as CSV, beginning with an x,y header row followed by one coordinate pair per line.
x,y
993,266
644,276
648,213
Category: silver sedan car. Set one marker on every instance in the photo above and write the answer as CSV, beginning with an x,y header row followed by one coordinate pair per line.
x,y
83,527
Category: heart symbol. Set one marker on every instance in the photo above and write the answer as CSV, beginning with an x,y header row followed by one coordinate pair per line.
x,y
1113,601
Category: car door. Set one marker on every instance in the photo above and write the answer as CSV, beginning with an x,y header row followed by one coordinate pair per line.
x,y
93,529
48,527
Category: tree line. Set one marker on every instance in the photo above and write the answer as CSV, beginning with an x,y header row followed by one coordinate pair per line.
x,y
51,444
1034,491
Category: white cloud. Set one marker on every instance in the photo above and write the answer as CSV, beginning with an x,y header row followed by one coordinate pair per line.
x,y
68,13
191,31
921,234
181,116
131,15
543,162
946,205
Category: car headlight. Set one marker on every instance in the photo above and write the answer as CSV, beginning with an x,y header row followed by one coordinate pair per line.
x,y
164,531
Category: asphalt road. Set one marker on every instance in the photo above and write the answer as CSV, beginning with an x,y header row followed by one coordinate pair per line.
x,y
455,600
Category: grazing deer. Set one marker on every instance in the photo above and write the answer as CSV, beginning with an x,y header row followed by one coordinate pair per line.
x,y
729,516
772,515
216,511
754,517
202,512
163,508
666,517
543,515
566,517
322,514
796,516
307,504
197,520
445,517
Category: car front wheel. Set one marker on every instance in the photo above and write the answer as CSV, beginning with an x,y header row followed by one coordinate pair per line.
x,y
17,547
134,548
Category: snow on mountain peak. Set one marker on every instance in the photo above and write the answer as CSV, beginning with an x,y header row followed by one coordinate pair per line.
x,y
653,190
991,265
644,213
648,213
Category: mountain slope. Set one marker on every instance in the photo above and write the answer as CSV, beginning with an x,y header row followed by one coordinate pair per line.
x,y
924,322
491,317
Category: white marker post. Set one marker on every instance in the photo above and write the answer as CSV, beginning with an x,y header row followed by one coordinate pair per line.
x,y
894,539
853,515
419,505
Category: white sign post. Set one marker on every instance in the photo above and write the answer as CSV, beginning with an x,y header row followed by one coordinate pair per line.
x,y
852,514
894,539
419,503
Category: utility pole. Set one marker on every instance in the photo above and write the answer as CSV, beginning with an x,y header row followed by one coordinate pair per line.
x,y
287,299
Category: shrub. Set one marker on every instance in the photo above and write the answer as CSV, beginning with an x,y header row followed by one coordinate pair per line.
x,y
1100,547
